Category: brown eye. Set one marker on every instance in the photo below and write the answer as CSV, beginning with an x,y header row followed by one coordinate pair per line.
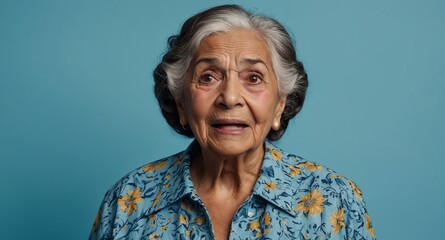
x,y
207,78
254,79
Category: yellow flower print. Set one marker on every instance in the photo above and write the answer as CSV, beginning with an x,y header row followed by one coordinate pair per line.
x,y
128,203
294,171
199,220
357,190
155,202
254,225
276,154
310,165
153,236
334,176
154,166
163,227
311,202
267,219
182,219
337,220
369,226
270,185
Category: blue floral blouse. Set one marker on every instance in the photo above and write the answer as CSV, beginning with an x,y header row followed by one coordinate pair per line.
x,y
292,199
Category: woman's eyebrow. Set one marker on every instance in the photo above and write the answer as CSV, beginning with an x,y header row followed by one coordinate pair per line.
x,y
252,61
217,62
208,60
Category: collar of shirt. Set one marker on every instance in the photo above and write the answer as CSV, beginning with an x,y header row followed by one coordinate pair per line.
x,y
273,185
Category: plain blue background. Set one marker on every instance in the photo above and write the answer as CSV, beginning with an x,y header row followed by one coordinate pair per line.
x,y
77,109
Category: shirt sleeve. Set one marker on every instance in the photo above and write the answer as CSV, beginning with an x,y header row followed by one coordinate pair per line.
x,y
103,224
357,220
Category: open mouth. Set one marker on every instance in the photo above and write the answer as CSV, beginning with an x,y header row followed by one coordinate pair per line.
x,y
230,126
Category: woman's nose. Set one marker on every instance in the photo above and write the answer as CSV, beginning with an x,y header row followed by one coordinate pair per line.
x,y
230,94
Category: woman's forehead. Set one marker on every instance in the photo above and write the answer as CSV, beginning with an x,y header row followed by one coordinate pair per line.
x,y
244,46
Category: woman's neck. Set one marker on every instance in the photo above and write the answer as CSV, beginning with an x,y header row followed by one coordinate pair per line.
x,y
226,176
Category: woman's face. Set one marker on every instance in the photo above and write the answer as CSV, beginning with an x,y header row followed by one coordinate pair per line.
x,y
230,97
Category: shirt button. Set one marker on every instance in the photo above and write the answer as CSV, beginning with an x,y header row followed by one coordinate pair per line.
x,y
250,214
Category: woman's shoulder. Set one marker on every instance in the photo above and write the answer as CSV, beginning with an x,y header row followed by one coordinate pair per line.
x,y
316,190
316,175
311,191
308,176
152,174
138,193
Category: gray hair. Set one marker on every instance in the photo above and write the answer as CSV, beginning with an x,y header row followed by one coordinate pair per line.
x,y
170,73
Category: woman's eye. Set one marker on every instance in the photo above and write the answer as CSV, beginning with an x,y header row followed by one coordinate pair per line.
x,y
206,78
254,79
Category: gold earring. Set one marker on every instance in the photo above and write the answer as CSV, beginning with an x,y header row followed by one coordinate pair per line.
x,y
276,125
182,121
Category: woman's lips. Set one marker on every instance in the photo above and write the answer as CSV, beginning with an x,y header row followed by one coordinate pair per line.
x,y
229,126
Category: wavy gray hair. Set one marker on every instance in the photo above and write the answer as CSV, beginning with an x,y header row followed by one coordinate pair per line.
x,y
169,74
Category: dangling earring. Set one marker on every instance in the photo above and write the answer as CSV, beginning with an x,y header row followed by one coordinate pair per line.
x,y
276,125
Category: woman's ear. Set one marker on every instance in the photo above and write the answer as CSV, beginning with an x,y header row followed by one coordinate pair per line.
x,y
276,124
181,111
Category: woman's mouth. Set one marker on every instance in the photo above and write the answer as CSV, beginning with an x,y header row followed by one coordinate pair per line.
x,y
229,126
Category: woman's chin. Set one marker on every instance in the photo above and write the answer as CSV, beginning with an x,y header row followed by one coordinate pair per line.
x,y
231,146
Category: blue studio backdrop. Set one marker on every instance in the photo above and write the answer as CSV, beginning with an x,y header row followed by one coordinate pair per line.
x,y
77,109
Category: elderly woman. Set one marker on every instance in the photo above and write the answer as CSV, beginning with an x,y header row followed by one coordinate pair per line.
x,y
231,81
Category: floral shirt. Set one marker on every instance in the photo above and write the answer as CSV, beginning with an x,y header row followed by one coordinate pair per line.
x,y
292,199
